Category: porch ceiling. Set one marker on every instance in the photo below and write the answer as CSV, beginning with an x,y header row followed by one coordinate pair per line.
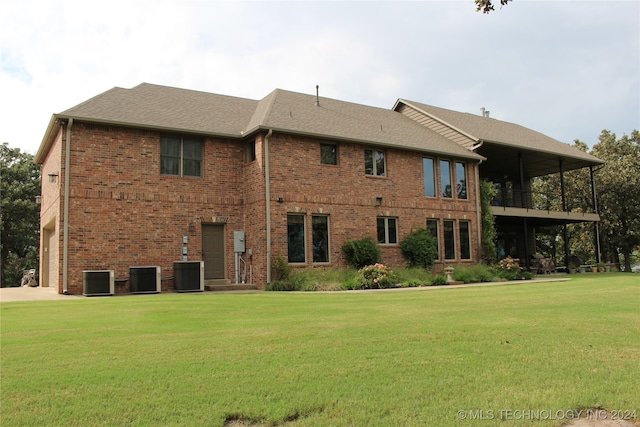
x,y
502,161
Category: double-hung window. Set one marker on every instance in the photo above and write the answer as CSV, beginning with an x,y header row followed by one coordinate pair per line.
x,y
387,230
180,156
374,163
328,154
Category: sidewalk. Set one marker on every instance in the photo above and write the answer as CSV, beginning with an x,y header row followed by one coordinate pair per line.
x,y
33,294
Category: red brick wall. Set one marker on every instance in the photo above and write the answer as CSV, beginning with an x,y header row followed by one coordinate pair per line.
x,y
124,213
348,196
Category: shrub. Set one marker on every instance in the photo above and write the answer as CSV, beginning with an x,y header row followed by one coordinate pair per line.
x,y
463,274
362,252
473,273
419,248
351,284
508,269
377,276
413,283
282,268
439,281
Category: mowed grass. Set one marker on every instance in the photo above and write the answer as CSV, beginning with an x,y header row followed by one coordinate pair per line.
x,y
402,358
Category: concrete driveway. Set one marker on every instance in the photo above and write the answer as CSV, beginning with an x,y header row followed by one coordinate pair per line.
x,y
33,294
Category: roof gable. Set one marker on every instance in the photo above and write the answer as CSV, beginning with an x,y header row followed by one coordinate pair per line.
x,y
485,129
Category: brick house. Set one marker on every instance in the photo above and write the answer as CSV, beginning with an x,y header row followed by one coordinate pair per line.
x,y
153,175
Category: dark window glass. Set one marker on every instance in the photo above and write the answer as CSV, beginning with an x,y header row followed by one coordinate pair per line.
x,y
251,151
328,154
381,231
368,162
428,166
170,156
432,226
320,226
295,238
445,178
465,240
461,176
449,240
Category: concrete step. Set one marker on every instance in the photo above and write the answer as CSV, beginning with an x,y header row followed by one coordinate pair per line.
x,y
226,285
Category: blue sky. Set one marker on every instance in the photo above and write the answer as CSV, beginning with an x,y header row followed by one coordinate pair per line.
x,y
568,69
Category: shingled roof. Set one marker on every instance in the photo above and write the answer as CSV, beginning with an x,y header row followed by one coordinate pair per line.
x,y
172,109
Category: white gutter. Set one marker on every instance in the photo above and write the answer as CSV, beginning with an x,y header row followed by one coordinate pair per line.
x,y
267,195
65,225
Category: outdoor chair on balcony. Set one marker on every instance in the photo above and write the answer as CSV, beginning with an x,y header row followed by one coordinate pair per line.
x,y
542,265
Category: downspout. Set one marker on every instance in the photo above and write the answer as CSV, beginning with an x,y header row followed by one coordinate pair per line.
x,y
65,224
267,195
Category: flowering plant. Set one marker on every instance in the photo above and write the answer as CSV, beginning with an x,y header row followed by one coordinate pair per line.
x,y
376,276
509,268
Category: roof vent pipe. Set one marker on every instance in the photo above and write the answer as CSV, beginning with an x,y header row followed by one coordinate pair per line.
x,y
484,112
317,95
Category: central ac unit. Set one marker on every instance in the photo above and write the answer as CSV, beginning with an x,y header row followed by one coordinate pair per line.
x,y
145,280
98,282
188,276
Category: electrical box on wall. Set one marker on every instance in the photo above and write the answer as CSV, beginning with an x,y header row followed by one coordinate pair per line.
x,y
238,241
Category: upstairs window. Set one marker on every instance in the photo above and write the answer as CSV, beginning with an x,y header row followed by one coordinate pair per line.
x,y
461,176
445,179
180,156
374,163
428,166
328,154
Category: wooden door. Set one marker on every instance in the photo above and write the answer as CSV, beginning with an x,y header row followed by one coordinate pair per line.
x,y
213,251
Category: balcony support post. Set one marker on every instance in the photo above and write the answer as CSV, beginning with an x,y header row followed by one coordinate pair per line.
x,y
596,228
565,230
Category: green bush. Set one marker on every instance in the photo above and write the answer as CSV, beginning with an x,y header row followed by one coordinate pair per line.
x,y
282,268
473,273
419,248
439,280
463,274
362,252
413,283
351,284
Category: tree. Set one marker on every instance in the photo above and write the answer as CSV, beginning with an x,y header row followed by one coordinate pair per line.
x,y
618,182
489,250
19,214
486,6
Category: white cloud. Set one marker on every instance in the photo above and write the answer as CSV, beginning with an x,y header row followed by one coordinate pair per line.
x,y
567,69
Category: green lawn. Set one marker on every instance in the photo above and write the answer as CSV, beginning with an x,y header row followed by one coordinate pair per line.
x,y
404,358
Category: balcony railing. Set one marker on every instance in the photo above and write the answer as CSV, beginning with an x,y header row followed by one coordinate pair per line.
x,y
540,201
